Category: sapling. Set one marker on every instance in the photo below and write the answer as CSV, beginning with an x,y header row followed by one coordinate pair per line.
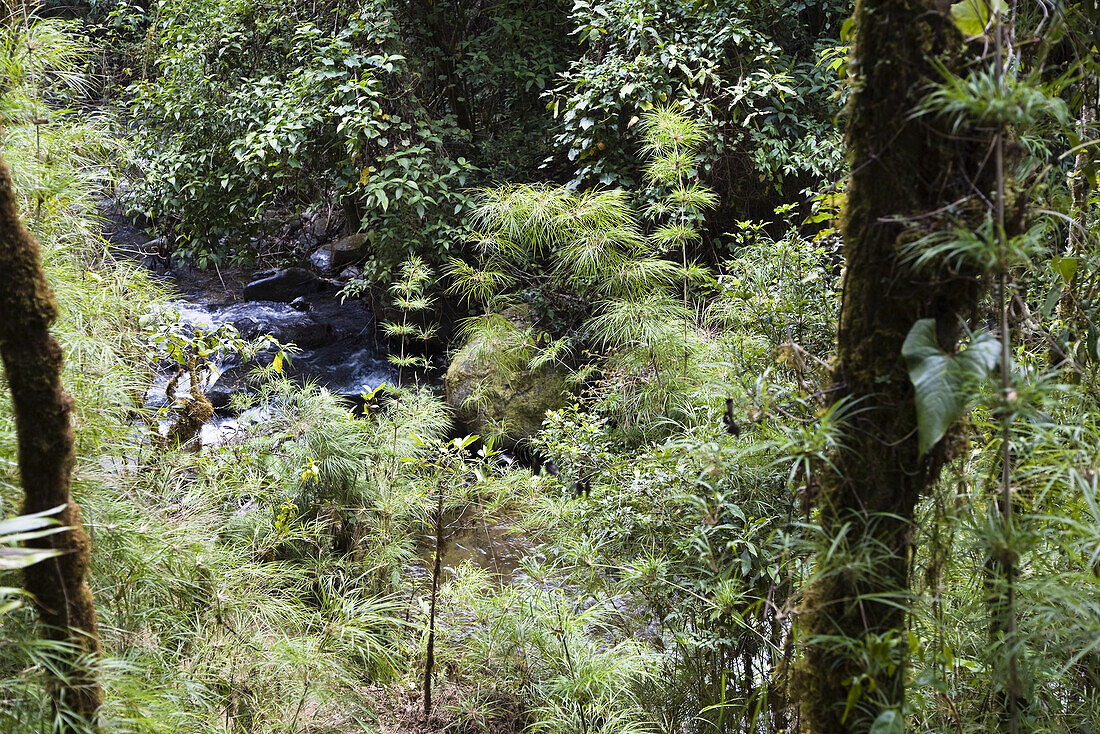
x,y
445,460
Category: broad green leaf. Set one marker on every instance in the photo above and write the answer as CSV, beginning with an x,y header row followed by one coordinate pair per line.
x,y
888,722
940,378
846,30
1091,171
855,691
1065,266
1051,301
972,16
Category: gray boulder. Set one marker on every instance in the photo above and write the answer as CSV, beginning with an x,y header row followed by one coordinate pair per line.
x,y
229,383
334,256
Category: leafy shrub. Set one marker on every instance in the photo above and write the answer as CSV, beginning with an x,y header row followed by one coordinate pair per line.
x,y
342,104
753,77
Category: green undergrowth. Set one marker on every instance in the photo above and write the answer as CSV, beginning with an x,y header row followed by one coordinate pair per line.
x,y
279,580
257,586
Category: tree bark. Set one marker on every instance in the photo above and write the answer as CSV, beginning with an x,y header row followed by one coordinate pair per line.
x,y
903,169
32,361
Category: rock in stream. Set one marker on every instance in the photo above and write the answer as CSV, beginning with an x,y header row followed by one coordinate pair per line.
x,y
337,343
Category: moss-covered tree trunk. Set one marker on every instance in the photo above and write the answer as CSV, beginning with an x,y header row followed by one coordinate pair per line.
x,y
33,364
904,174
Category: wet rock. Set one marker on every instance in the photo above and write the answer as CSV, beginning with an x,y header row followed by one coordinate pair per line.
x,y
515,398
283,286
350,273
332,257
284,322
300,304
307,334
158,248
229,383
322,260
321,225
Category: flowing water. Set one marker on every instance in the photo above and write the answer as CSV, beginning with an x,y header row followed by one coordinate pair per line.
x,y
339,351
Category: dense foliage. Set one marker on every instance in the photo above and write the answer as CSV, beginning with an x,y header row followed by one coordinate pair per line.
x,y
761,77
391,111
645,196
386,111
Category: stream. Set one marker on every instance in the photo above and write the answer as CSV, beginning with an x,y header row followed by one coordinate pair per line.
x,y
339,351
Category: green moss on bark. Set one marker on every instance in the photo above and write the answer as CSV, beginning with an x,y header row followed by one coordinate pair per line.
x,y
192,412
32,361
852,621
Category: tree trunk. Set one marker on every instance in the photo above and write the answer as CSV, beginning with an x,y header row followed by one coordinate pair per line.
x,y
442,28
33,364
852,622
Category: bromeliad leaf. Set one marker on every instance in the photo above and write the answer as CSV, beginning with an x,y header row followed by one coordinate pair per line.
x,y
940,378
28,527
23,528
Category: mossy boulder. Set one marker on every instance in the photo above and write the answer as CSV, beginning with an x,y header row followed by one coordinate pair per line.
x,y
504,395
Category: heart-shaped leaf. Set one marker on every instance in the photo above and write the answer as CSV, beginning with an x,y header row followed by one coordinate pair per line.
x,y
1065,266
940,378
